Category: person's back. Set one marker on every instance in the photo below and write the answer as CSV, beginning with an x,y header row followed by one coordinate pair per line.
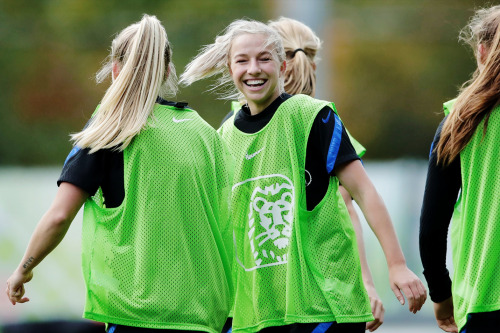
x,y
144,259
475,229
464,162
153,176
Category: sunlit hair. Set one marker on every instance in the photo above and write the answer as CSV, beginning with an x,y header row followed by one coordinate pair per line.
x,y
143,54
301,46
214,59
481,94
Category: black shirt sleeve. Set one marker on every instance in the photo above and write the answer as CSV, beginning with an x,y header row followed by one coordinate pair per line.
x,y
83,170
328,146
103,169
440,195
326,126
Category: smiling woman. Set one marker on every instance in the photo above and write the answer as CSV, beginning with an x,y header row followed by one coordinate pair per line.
x,y
254,71
289,271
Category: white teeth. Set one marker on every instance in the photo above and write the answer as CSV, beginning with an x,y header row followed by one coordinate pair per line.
x,y
255,82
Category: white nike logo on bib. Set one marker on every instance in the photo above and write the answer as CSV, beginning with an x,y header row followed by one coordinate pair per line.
x,y
250,156
180,120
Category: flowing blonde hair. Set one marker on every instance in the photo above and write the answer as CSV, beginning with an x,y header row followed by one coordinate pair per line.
x,y
301,46
481,94
214,59
143,55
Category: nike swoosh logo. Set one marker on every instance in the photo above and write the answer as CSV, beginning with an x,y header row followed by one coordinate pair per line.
x,y
180,120
250,156
325,120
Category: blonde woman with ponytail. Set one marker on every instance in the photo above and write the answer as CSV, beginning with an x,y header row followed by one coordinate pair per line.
x,y
465,163
301,46
297,267
153,179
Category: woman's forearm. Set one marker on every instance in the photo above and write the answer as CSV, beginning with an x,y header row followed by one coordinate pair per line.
x,y
360,187
53,226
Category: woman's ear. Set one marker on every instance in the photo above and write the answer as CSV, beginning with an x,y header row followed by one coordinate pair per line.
x,y
167,72
482,54
283,67
115,70
314,66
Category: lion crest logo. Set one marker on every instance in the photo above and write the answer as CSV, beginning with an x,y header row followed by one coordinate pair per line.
x,y
270,220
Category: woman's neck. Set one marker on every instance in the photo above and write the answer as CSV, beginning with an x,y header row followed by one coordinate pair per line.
x,y
256,107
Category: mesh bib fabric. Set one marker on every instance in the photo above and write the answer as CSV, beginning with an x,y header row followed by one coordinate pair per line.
x,y
161,260
292,265
475,232
360,149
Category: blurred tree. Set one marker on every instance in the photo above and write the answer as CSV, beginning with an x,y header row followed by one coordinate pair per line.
x,y
51,50
394,62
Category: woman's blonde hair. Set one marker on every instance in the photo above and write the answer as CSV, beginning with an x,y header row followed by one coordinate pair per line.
x,y
481,94
214,59
143,55
301,46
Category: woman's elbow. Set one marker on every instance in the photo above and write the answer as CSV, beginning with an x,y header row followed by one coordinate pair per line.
x,y
58,219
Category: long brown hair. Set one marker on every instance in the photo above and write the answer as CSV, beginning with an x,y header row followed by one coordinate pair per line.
x,y
481,94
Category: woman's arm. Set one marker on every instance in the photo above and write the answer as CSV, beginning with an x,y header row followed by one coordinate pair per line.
x,y
353,177
47,235
375,301
441,191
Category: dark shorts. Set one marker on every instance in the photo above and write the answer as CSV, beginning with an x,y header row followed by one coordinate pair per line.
x,y
309,328
482,322
112,328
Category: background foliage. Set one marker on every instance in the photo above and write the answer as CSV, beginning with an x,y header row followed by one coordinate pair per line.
x,y
388,65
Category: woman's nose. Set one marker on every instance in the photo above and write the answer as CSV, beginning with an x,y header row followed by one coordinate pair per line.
x,y
254,67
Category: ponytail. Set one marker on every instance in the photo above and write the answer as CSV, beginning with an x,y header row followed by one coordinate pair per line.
x,y
142,54
301,46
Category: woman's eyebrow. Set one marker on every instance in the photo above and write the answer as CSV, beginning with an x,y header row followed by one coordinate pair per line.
x,y
243,54
240,55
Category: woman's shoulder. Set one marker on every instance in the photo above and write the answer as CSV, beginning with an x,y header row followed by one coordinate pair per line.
x,y
180,114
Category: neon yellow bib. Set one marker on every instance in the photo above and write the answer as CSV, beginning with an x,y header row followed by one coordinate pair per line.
x,y
292,265
475,232
160,259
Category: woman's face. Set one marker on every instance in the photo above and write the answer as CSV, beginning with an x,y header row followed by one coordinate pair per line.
x,y
254,70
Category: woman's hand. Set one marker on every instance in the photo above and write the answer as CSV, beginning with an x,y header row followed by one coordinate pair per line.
x,y
444,316
378,310
404,281
15,287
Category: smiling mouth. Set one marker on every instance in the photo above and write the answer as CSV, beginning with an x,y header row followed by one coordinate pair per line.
x,y
255,82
